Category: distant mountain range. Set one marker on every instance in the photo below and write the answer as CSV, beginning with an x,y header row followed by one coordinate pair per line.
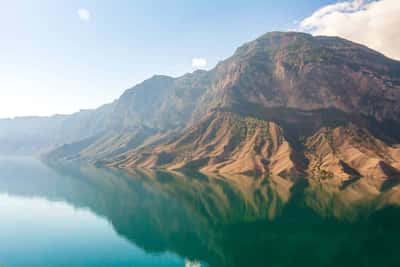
x,y
286,104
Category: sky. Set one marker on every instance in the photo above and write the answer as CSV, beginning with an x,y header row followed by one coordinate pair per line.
x,y
58,57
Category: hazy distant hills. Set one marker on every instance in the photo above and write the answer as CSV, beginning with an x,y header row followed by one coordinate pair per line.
x,y
161,103
158,104
286,104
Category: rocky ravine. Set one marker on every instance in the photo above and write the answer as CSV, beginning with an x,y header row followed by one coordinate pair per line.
x,y
227,143
223,142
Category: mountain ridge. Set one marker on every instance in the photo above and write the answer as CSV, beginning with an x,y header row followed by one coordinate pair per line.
x,y
294,83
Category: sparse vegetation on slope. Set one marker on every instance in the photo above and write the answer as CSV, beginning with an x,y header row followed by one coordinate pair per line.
x,y
288,104
225,143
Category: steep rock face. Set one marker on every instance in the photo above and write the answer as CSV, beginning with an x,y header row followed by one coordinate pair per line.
x,y
350,152
226,143
296,70
295,85
162,102
255,110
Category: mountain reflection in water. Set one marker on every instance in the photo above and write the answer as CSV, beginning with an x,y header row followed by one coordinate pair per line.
x,y
224,221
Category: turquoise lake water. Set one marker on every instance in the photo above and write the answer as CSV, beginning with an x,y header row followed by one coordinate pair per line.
x,y
71,215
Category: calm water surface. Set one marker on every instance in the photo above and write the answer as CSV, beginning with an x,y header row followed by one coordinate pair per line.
x,y
71,215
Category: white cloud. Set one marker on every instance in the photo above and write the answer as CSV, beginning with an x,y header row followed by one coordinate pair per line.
x,y
373,23
199,63
84,14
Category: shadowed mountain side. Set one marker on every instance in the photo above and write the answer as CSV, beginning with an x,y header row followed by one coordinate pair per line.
x,y
227,143
297,70
296,82
299,123
108,145
291,86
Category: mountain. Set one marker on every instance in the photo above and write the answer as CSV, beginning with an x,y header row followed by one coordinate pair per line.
x,y
292,105
351,152
223,142
27,135
296,70
286,104
159,104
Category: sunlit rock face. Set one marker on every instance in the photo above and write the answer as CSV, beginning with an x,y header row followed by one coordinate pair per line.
x,y
263,110
292,105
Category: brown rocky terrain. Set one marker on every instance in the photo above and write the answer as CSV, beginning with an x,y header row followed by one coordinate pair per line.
x,y
230,144
291,105
349,152
299,71
223,142
286,104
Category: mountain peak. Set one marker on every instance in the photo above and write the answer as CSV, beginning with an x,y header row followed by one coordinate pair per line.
x,y
284,37
263,110
274,40
298,70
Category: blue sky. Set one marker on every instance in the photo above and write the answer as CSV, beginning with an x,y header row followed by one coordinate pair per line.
x,y
54,60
